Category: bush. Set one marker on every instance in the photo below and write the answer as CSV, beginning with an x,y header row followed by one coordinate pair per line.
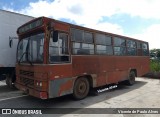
x,y
155,65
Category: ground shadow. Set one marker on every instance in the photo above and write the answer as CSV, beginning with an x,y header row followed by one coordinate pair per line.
x,y
6,89
152,75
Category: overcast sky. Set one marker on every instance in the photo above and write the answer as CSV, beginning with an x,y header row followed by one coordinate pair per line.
x,y
134,18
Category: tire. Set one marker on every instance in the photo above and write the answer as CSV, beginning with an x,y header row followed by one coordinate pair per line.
x,y
131,79
9,81
81,88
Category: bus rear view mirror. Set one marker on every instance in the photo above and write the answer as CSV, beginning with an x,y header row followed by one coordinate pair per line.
x,y
55,36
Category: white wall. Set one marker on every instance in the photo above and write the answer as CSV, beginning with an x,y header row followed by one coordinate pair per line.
x,y
9,22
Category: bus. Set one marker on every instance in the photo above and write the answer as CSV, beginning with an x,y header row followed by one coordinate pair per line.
x,y
56,58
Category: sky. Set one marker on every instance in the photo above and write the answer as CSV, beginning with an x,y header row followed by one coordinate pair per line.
x,y
139,19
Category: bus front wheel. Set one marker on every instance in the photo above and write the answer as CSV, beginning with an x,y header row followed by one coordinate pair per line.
x,y
131,79
81,88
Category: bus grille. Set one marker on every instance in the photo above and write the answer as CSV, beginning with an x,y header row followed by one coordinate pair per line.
x,y
26,78
27,81
27,73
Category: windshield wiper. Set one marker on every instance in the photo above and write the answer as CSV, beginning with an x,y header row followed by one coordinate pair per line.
x,y
27,58
21,57
27,53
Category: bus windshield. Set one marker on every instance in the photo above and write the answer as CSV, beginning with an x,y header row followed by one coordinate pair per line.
x,y
30,49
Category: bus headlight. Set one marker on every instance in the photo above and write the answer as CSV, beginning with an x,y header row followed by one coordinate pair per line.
x,y
39,83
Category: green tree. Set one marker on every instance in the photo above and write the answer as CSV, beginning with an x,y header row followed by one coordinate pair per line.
x,y
158,54
155,52
155,63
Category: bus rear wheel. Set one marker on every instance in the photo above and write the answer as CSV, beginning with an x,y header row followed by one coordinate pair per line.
x,y
81,88
131,79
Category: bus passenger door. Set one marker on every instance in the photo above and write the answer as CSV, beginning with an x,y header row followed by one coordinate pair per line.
x,y
60,74
59,56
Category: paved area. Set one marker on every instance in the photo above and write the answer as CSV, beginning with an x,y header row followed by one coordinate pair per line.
x,y
144,93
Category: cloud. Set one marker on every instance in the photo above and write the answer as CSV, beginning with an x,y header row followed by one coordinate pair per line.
x,y
84,12
112,28
90,13
93,10
76,9
151,34
141,8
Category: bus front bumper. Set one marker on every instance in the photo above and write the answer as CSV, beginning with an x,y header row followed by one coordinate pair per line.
x,y
31,91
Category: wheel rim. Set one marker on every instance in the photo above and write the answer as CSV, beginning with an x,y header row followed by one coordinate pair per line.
x,y
81,88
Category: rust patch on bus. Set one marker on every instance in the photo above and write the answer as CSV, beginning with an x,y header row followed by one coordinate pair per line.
x,y
66,88
60,87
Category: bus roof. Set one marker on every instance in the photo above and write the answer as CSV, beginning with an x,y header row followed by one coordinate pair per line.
x,y
82,27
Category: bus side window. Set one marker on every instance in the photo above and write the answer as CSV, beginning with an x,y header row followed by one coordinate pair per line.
x,y
145,49
139,48
103,44
119,46
82,42
131,48
58,51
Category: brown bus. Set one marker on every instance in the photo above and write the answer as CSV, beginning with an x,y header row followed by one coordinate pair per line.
x,y
55,58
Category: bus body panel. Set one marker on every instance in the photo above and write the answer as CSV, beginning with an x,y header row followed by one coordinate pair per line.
x,y
58,80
